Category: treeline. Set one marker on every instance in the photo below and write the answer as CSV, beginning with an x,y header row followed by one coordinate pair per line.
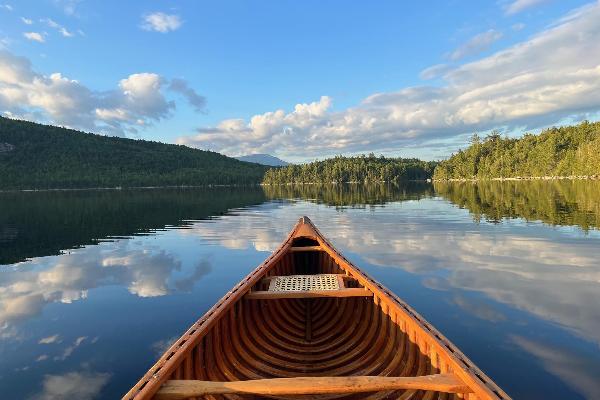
x,y
361,169
560,202
35,156
564,151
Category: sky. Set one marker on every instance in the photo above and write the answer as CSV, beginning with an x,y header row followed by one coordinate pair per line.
x,y
302,80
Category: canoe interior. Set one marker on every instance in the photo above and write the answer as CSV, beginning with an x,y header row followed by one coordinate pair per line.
x,y
311,337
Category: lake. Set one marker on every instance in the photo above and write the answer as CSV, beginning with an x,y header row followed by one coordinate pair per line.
x,y
94,285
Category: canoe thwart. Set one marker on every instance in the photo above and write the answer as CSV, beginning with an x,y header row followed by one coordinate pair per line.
x,y
183,389
306,248
304,294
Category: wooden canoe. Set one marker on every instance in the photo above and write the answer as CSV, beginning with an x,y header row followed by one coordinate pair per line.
x,y
308,324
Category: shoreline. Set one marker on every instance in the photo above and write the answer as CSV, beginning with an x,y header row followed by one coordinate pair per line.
x,y
524,178
125,188
198,186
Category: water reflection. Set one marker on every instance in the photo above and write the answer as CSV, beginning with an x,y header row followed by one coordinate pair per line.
x,y
577,369
351,195
73,385
145,272
560,202
520,299
46,223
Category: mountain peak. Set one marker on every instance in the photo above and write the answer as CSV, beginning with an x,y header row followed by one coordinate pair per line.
x,y
264,159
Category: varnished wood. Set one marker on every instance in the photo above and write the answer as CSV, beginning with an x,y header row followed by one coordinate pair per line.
x,y
306,294
184,389
306,248
253,334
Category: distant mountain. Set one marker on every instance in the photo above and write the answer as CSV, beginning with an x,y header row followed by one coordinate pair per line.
x,y
264,159
35,156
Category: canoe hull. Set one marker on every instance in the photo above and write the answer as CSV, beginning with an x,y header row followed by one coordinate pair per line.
x,y
254,334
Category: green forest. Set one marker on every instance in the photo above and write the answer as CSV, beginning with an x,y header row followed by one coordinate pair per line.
x,y
35,156
361,169
559,202
565,151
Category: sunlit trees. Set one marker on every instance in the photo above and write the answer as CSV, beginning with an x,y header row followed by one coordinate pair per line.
x,y
361,169
565,151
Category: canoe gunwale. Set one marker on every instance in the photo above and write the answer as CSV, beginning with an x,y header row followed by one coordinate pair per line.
x,y
463,367
160,371
481,385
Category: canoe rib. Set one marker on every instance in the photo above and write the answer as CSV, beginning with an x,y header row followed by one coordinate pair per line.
x,y
241,339
183,389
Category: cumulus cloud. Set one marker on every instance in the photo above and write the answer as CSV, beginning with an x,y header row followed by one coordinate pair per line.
x,y
27,21
139,100
552,75
73,385
161,22
34,36
6,7
476,44
517,6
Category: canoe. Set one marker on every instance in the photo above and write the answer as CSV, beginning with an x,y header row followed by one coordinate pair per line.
x,y
309,324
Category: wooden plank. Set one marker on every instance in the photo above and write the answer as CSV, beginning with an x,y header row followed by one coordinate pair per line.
x,y
183,389
303,294
306,248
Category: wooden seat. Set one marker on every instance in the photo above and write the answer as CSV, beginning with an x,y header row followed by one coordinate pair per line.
x,y
183,389
307,286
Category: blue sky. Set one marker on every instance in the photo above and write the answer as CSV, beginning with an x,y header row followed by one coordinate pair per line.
x,y
301,79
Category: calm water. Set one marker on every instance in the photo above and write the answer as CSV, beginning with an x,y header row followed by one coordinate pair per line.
x,y
95,285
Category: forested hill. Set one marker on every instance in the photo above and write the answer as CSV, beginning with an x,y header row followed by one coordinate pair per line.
x,y
566,151
34,156
361,169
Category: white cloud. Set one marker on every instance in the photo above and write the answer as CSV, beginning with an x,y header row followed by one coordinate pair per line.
x,y
6,7
73,385
69,7
181,86
50,339
518,26
70,349
161,22
476,44
519,5
160,346
139,100
552,75
35,36
27,21
55,25
68,278
435,71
